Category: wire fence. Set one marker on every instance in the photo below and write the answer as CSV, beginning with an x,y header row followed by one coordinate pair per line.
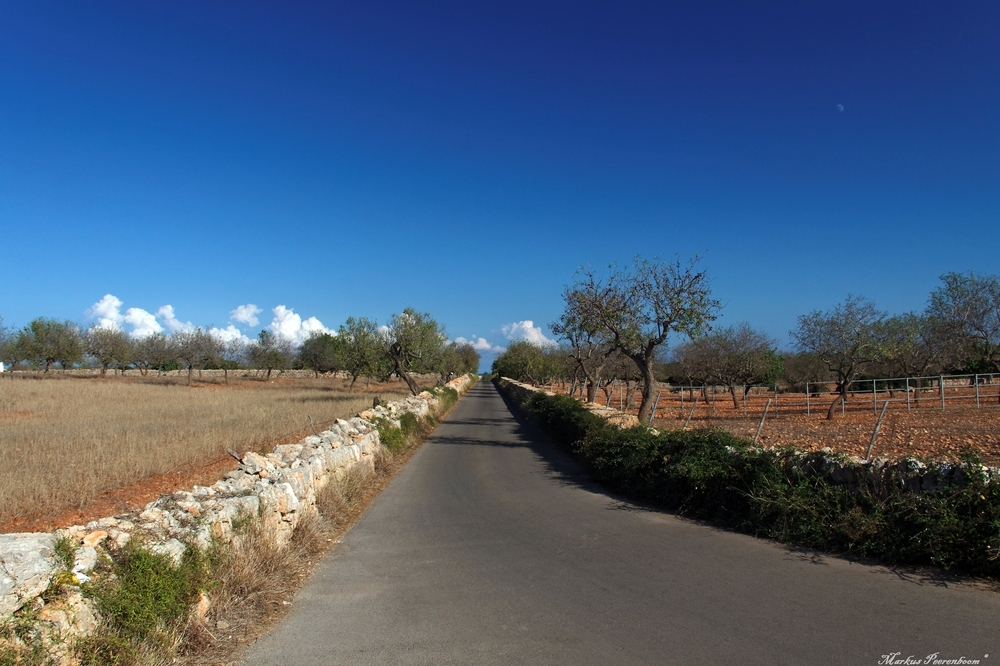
x,y
863,395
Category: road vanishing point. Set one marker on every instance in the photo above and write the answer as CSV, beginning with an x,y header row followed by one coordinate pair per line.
x,y
492,547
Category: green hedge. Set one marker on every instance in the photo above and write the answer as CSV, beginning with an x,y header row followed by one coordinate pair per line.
x,y
715,476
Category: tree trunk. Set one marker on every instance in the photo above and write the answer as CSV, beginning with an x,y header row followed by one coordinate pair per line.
x,y
841,397
410,382
648,388
592,388
190,373
405,376
736,404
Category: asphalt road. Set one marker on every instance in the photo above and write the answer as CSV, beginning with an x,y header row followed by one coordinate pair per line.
x,y
490,547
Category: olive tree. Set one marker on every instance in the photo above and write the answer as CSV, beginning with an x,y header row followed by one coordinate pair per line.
x,y
639,307
847,339
321,352
457,359
414,342
363,350
527,362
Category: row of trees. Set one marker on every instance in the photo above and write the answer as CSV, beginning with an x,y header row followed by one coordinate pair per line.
x,y
616,328
412,343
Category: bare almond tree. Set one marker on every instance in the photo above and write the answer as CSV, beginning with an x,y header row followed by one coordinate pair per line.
x,y
109,346
590,345
195,349
737,357
641,306
848,339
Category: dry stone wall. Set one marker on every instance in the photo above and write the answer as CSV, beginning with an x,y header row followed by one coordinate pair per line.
x,y
279,486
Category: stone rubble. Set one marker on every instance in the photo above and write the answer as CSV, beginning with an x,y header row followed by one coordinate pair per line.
x,y
280,487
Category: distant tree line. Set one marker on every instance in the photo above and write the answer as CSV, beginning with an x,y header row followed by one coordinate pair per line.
x,y
412,343
615,330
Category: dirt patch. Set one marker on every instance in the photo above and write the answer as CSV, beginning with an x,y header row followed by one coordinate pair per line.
x,y
926,432
914,425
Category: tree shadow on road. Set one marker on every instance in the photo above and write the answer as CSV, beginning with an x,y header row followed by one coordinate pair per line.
x,y
564,469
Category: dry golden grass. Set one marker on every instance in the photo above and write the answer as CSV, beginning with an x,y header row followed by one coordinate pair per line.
x,y
65,441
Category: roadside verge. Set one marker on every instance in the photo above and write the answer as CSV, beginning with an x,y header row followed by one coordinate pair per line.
x,y
197,573
906,512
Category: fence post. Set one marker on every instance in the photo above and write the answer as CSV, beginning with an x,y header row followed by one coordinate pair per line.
x,y
807,399
693,407
744,389
652,414
977,391
874,397
682,402
775,400
572,389
907,394
878,425
941,385
611,393
761,424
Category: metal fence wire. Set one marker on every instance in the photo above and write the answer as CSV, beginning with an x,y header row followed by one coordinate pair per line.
x,y
863,395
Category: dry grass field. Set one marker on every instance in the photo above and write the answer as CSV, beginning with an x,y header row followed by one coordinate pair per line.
x,y
68,441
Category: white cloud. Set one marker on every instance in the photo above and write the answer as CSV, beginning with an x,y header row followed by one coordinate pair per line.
x,y
290,326
228,334
480,344
143,323
170,320
107,312
246,314
526,330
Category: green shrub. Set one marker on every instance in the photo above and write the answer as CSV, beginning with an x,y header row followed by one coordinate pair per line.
x,y
392,438
65,551
447,397
146,591
409,424
563,418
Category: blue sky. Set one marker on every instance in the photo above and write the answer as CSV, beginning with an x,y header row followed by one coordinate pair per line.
x,y
464,159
